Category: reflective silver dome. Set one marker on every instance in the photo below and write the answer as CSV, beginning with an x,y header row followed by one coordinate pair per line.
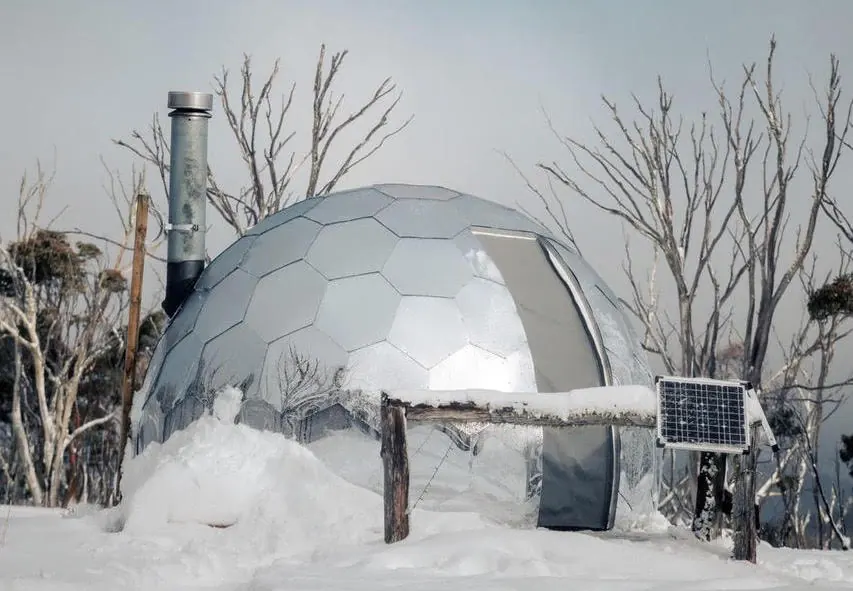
x,y
401,286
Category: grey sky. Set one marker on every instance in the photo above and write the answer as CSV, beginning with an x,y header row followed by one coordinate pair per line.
x,y
473,73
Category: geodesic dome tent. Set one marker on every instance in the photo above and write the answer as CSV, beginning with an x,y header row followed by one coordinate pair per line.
x,y
325,303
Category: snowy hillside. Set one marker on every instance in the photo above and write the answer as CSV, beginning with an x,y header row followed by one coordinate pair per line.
x,y
293,518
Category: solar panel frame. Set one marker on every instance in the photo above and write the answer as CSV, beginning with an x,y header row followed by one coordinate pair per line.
x,y
702,414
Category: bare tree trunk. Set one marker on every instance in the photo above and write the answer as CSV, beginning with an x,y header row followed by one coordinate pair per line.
x,y
709,495
67,397
799,524
20,434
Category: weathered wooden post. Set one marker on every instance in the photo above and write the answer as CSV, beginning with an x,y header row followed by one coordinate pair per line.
x,y
132,328
395,461
744,518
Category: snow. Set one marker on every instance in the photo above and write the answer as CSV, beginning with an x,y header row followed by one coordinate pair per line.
x,y
483,265
607,401
291,517
226,406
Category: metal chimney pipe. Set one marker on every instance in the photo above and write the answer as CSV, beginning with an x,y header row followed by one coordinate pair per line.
x,y
187,195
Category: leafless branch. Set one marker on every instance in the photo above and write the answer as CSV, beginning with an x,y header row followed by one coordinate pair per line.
x,y
712,198
259,123
91,425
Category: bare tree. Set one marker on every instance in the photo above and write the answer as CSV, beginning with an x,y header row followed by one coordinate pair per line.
x,y
259,124
713,200
799,398
61,306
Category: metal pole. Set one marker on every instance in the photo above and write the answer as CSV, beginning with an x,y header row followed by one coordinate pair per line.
x,y
187,195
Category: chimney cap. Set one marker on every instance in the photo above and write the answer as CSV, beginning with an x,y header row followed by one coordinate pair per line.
x,y
196,101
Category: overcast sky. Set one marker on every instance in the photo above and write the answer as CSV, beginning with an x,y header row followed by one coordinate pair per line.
x,y
474,74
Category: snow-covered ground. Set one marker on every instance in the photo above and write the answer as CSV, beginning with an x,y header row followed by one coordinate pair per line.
x,y
297,518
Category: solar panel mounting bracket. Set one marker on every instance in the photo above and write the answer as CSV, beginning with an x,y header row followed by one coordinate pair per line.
x,y
755,412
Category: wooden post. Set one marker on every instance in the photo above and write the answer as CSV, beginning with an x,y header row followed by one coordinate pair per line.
x,y
395,461
744,516
132,328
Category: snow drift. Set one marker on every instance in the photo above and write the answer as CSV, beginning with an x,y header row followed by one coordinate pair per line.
x,y
220,474
217,473
293,520
270,493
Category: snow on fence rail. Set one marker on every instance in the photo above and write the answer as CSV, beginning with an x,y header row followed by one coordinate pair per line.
x,y
626,406
615,405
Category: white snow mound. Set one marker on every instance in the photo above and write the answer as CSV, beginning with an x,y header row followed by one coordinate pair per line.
x,y
220,474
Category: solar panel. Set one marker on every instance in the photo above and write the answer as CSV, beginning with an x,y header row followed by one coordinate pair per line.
x,y
702,414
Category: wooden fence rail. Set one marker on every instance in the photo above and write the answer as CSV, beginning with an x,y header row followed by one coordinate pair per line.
x,y
636,408
576,408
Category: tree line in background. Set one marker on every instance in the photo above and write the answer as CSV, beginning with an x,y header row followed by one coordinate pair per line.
x,y
728,204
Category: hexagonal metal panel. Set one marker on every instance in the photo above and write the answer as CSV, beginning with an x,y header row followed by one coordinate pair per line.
x,y
491,318
224,263
259,414
144,394
283,216
488,214
150,426
285,300
177,372
234,358
184,321
428,329
308,348
522,370
399,191
186,411
478,259
358,311
422,218
226,305
351,248
383,366
280,246
473,367
425,266
348,205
